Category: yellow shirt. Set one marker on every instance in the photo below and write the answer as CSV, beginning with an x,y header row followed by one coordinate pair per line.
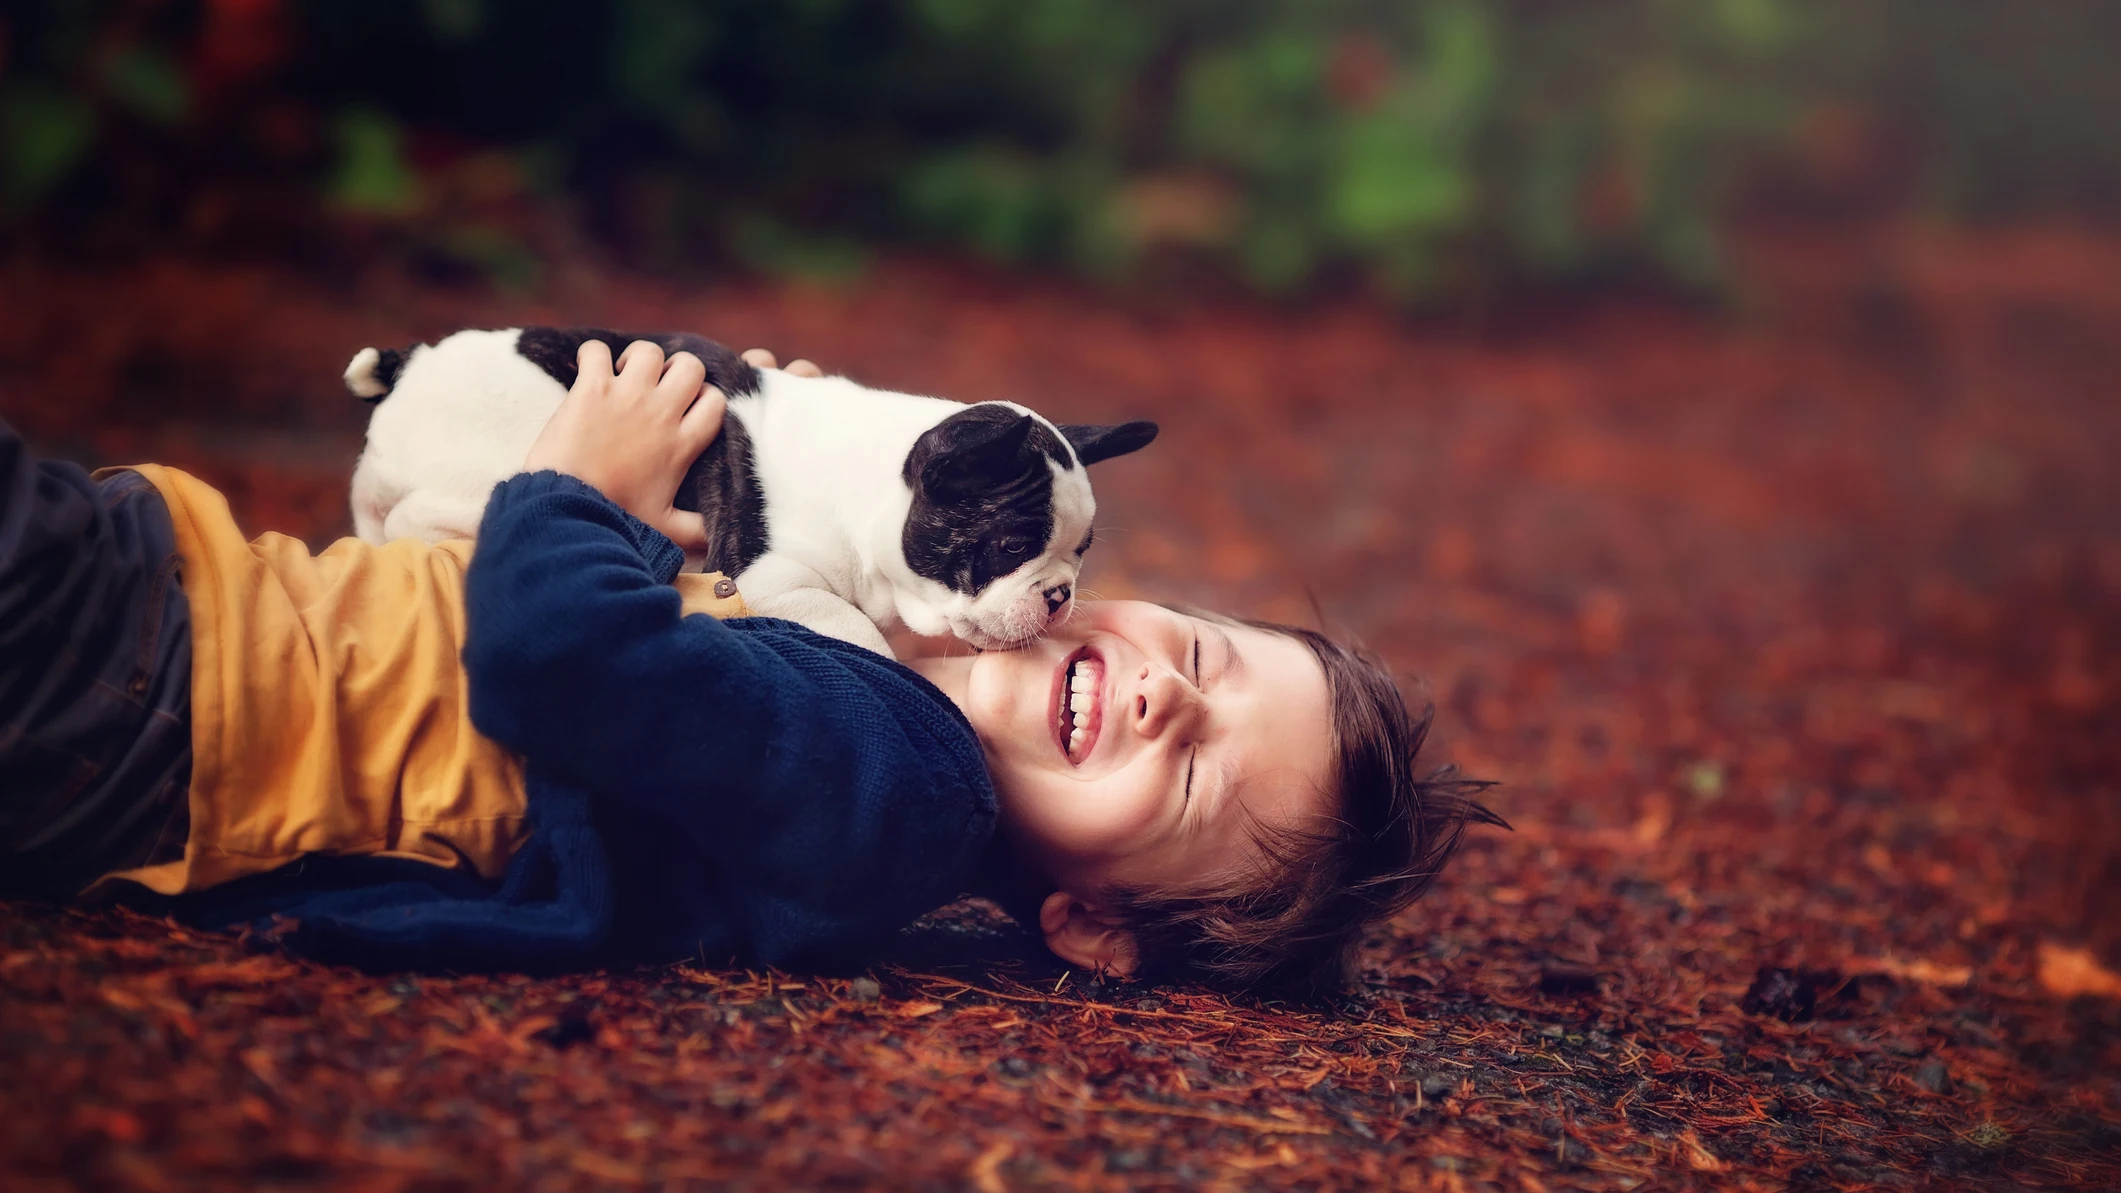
x,y
329,707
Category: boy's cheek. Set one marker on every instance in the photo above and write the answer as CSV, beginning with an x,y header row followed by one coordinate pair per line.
x,y
1077,821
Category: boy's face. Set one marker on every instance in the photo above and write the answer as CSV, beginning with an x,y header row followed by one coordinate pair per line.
x,y
1163,774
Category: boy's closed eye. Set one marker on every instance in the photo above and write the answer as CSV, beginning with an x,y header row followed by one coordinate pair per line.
x,y
1193,758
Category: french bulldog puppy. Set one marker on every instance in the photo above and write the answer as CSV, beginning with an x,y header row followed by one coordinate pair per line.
x,y
845,508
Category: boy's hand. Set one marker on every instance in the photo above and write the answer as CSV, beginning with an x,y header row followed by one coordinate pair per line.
x,y
760,358
633,433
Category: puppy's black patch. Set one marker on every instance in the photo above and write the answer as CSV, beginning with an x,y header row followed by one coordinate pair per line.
x,y
1095,444
982,496
722,486
553,349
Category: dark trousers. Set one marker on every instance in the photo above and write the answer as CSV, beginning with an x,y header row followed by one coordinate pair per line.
x,y
95,677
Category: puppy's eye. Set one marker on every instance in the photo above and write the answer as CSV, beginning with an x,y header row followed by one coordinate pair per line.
x,y
1016,548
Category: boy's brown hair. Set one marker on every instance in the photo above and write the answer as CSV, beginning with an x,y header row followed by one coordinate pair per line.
x,y
1292,925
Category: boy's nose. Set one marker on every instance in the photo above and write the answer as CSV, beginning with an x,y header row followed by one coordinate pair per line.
x,y
1057,599
1163,699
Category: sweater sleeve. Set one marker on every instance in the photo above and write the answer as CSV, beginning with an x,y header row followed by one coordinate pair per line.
x,y
758,784
579,656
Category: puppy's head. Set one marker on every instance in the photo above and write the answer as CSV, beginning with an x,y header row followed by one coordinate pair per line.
x,y
1000,519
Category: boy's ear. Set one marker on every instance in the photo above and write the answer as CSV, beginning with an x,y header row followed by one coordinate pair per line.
x,y
1083,934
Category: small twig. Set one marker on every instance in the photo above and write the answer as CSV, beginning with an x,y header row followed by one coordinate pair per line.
x,y
1244,1122
1217,1020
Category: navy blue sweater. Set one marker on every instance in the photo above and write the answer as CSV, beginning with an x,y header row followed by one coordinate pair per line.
x,y
745,791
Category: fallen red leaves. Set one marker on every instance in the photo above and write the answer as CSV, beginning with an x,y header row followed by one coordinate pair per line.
x,y
1793,638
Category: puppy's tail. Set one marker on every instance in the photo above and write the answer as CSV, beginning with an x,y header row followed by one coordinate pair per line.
x,y
373,372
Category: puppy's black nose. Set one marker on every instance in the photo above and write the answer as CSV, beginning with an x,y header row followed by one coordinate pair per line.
x,y
1057,596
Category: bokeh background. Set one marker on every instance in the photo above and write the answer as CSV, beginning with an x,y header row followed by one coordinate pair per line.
x,y
1709,404
1437,152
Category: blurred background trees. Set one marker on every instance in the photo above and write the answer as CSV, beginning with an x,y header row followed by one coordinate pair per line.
x,y
1425,149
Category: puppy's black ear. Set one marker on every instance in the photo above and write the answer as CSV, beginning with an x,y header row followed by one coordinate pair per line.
x,y
971,452
1093,444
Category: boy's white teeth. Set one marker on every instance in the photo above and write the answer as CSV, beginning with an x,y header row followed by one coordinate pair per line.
x,y
1082,697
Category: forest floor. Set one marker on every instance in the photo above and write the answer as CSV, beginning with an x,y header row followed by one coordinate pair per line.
x,y
1792,632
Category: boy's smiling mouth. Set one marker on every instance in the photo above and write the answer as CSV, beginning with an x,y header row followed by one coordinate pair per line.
x,y
1078,709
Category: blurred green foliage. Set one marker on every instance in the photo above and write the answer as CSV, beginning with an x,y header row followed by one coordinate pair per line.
x,y
1426,147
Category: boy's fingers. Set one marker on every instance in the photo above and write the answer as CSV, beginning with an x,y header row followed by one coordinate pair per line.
x,y
681,379
685,528
593,358
763,359
704,421
641,359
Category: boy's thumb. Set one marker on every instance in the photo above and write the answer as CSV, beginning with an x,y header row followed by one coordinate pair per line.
x,y
685,528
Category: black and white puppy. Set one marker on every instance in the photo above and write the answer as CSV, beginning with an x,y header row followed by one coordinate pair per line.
x,y
838,506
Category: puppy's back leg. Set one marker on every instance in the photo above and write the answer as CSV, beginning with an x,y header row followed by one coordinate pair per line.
x,y
372,500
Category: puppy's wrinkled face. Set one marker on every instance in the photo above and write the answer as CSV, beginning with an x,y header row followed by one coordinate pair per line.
x,y
1000,520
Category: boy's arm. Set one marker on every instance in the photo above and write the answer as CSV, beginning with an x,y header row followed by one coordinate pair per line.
x,y
580,659
781,792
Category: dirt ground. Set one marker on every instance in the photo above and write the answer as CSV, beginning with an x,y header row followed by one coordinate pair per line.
x,y
1791,632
